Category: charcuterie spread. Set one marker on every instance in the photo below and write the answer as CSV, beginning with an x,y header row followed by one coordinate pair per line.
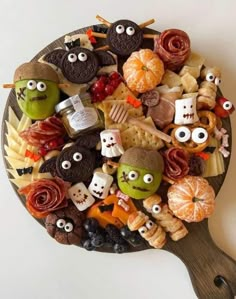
x,y
115,140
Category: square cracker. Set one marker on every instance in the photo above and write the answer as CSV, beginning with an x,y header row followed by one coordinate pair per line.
x,y
135,136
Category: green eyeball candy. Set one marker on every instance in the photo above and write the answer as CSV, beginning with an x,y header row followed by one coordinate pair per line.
x,y
140,172
37,91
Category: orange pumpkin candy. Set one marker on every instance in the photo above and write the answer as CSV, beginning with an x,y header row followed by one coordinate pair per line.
x,y
191,199
143,70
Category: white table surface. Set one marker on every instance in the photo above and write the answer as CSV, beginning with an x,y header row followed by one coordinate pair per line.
x,y
32,265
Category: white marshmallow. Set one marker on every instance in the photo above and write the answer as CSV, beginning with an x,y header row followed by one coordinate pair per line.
x,y
100,184
81,196
185,111
111,143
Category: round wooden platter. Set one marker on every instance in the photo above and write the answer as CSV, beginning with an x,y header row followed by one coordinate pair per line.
x,y
197,250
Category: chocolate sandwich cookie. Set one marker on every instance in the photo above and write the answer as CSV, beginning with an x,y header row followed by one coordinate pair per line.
x,y
105,58
124,37
49,166
55,57
79,65
75,164
89,141
65,225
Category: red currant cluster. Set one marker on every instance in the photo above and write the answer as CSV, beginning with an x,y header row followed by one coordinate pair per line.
x,y
105,86
51,145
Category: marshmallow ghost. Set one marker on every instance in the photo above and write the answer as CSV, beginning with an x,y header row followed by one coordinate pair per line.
x,y
185,111
100,184
80,196
111,143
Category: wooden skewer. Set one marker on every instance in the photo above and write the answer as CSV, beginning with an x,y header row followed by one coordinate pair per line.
x,y
120,115
97,34
8,85
151,36
103,48
103,21
145,24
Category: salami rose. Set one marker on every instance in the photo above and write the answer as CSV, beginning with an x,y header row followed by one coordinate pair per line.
x,y
44,196
176,163
173,47
44,131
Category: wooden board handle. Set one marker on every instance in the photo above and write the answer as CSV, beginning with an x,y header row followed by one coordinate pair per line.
x,y
205,263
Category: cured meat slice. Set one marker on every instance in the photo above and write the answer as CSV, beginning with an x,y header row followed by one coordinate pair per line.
x,y
44,196
176,163
42,132
173,47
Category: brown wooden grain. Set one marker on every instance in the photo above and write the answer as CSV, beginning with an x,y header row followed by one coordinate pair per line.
x,y
197,250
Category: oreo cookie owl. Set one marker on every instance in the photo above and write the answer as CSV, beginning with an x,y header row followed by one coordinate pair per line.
x,y
79,65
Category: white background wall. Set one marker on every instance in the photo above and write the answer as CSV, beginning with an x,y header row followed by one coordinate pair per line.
x,y
32,265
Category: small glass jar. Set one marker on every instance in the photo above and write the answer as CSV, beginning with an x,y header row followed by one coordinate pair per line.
x,y
79,115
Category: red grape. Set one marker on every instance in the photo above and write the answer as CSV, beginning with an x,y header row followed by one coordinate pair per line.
x,y
99,86
114,76
109,89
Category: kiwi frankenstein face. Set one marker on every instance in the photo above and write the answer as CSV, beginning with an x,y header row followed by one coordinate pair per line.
x,y
37,98
37,90
140,172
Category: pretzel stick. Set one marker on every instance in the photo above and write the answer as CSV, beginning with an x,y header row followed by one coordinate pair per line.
x,y
8,85
61,85
97,34
103,48
103,21
145,24
151,35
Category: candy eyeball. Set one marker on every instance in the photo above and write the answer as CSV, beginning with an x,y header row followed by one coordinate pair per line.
x,y
149,224
210,77
199,135
156,209
148,178
68,227
82,57
142,230
66,165
60,223
120,29
133,175
227,105
77,157
130,31
217,81
72,57
31,84
183,134
41,86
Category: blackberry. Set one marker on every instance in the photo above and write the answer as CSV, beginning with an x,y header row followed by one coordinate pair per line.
x,y
114,234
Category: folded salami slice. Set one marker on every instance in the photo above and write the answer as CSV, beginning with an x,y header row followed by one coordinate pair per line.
x,y
44,196
173,47
42,132
176,163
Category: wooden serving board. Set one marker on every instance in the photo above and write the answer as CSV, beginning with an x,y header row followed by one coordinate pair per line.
x,y
203,259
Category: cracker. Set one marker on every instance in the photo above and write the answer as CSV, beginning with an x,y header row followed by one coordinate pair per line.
x,y
135,136
189,83
171,79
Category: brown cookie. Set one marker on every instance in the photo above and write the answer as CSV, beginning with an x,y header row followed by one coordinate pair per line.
x,y
55,57
79,65
89,141
65,225
105,58
75,164
124,37
49,166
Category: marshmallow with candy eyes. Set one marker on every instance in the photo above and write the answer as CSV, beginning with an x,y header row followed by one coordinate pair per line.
x,y
100,184
185,111
81,196
111,143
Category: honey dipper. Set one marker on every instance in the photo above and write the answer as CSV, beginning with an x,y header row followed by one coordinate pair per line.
x,y
119,114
